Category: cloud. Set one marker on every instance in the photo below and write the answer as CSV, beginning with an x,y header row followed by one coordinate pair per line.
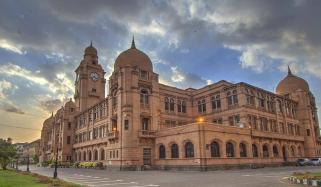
x,y
51,104
58,83
9,107
6,88
11,47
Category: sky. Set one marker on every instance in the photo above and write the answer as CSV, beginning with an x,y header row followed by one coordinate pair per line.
x,y
191,44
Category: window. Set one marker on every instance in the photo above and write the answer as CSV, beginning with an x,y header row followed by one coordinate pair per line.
x,y
216,102
308,132
275,151
229,149
201,106
189,150
69,125
89,155
126,124
174,151
254,151
279,106
93,90
114,100
218,121
282,128
143,74
68,140
162,152
181,106
232,98
261,100
84,156
265,151
144,97
215,149
252,120
243,150
292,151
234,120
250,99
102,154
166,104
171,105
263,124
95,155
145,124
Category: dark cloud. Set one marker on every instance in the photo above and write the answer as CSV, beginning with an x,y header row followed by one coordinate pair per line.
x,y
11,108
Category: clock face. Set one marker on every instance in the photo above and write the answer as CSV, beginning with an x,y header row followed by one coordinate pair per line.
x,y
94,76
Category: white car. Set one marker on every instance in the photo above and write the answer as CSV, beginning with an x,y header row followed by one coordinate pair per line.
x,y
315,162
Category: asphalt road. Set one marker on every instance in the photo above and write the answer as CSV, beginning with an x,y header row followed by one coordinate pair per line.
x,y
264,177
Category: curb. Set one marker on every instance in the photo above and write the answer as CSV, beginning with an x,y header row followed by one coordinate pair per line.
x,y
307,182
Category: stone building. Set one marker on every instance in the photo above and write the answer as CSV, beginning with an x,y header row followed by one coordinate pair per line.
x,y
31,151
142,122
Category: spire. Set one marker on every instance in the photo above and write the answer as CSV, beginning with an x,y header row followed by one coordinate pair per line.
x,y
289,70
91,43
133,43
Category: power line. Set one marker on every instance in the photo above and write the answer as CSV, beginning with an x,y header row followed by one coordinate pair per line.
x,y
19,127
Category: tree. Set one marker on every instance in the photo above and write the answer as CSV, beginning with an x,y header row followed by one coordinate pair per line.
x,y
7,152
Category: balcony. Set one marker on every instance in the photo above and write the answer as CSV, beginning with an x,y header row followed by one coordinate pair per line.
x,y
112,135
147,134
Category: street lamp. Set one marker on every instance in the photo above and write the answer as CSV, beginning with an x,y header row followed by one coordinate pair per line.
x,y
56,164
28,163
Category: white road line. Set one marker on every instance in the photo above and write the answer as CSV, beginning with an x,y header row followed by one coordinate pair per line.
x,y
114,184
89,182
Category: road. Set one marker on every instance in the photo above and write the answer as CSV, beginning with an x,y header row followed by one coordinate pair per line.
x,y
263,177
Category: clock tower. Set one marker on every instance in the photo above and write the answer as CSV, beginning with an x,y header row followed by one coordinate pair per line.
x,y
90,81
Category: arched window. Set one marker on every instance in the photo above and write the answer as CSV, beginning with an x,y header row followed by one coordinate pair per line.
x,y
183,106
229,149
162,152
254,151
189,150
95,155
171,105
292,151
265,151
89,155
166,103
243,150
275,151
84,156
144,97
215,149
102,154
299,152
174,151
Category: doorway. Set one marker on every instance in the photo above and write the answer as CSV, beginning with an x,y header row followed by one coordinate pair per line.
x,y
147,156
284,154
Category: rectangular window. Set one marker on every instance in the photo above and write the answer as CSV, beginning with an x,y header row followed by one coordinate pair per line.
x,y
143,74
126,124
68,140
234,120
145,123
69,125
308,132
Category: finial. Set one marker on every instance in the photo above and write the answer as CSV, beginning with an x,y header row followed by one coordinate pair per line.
x,y
91,43
133,43
289,70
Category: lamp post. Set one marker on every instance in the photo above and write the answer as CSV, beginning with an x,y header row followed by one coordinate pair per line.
x,y
28,163
56,164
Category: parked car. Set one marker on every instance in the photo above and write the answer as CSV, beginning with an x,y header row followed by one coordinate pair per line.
x,y
302,162
315,162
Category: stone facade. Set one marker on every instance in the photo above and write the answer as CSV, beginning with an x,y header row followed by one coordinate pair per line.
x,y
142,122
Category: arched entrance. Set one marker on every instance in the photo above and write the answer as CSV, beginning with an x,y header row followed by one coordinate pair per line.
x,y
284,154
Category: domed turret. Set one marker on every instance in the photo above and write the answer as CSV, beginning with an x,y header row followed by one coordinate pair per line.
x,y
291,83
91,50
133,57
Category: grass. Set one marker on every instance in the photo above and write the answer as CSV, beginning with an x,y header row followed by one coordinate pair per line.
x,y
308,175
11,178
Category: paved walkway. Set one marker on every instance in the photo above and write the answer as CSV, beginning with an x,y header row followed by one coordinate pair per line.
x,y
264,177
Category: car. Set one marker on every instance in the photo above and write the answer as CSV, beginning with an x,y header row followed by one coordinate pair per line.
x,y
315,162
302,162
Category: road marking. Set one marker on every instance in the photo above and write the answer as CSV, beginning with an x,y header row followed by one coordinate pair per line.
x,y
114,184
89,182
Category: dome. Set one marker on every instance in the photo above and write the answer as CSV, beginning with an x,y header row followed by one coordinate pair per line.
x,y
291,83
91,50
133,57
